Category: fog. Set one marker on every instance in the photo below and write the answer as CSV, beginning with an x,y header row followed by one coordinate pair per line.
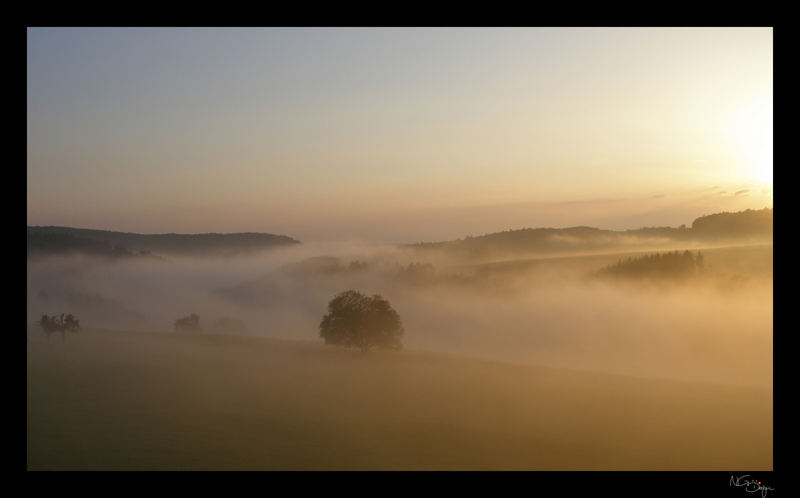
x,y
539,311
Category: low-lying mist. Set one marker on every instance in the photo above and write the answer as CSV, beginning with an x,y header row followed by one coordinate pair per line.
x,y
550,312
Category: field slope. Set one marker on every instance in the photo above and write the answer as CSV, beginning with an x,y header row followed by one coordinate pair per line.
x,y
114,400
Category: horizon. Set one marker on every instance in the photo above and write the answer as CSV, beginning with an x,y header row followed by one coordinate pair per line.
x,y
688,225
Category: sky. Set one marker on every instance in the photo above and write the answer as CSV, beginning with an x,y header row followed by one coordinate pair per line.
x,y
395,134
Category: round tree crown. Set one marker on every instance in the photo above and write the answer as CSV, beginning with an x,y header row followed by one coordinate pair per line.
x,y
357,320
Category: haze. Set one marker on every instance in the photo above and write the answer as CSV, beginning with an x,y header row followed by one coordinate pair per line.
x,y
542,314
583,373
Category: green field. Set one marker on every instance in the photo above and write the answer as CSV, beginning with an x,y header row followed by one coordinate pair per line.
x,y
114,400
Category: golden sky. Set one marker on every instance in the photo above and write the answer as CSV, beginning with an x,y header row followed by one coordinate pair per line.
x,y
395,134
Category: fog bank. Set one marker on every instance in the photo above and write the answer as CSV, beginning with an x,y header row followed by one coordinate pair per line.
x,y
543,312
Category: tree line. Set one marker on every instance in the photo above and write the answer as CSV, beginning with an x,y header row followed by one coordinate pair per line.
x,y
674,264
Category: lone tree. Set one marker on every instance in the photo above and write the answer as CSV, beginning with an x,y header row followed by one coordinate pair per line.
x,y
357,320
189,323
53,323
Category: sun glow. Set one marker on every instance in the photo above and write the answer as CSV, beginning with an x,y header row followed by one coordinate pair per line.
x,y
752,139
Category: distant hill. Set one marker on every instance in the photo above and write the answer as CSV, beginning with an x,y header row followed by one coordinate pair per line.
x,y
65,243
60,240
747,225
526,240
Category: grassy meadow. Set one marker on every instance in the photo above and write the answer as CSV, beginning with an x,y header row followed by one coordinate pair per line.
x,y
134,400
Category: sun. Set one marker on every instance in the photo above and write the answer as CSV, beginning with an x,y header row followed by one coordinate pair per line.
x,y
756,152
751,135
